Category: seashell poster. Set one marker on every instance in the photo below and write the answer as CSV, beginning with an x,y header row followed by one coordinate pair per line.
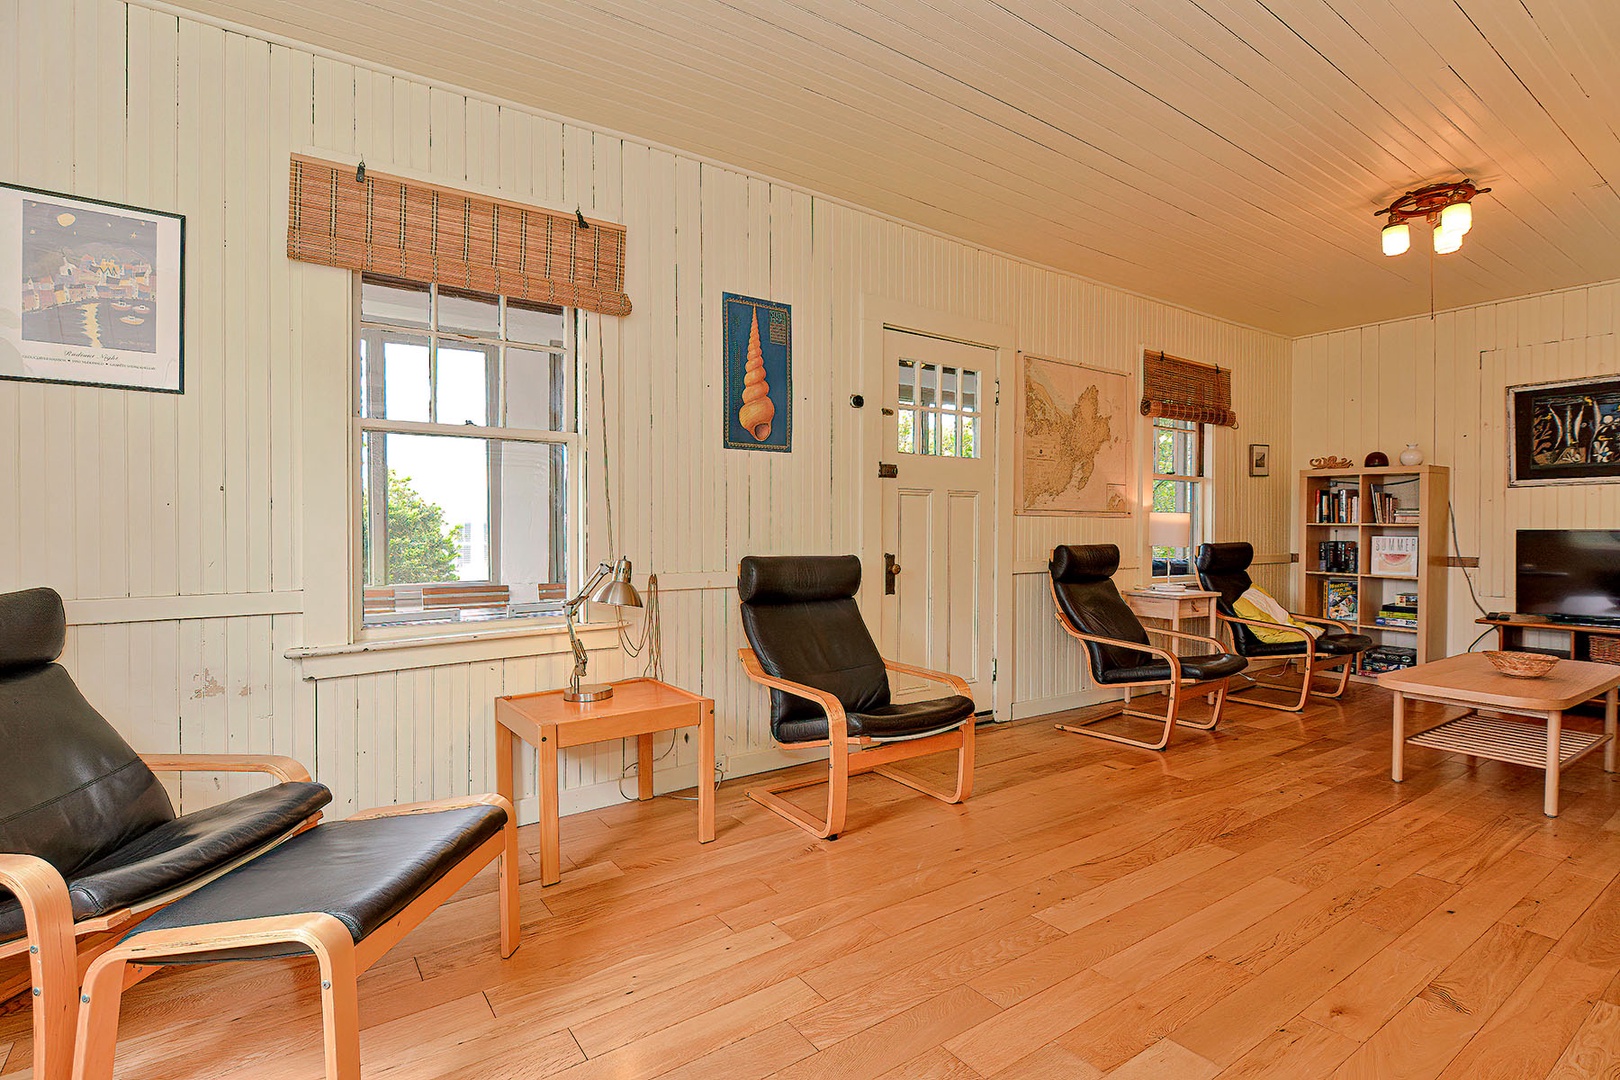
x,y
759,373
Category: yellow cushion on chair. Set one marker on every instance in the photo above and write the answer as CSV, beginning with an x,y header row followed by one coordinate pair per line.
x,y
1257,604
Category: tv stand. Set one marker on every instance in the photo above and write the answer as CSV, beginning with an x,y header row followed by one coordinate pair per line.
x,y
1510,634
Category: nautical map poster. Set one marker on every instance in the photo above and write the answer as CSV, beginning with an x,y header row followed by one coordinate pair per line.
x,y
90,292
1074,439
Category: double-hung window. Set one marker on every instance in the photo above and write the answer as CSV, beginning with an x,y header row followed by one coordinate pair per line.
x,y
1179,497
469,451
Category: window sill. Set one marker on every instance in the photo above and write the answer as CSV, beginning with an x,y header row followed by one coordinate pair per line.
x,y
319,662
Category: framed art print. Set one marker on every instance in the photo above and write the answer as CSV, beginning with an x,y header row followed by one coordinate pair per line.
x,y
1259,459
91,292
1073,444
758,343
1564,432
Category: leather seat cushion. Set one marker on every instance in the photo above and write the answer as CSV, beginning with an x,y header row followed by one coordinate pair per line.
x,y
362,873
1329,644
887,722
1201,668
166,857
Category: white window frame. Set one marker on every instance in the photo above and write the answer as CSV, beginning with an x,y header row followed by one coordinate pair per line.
x,y
574,556
1203,519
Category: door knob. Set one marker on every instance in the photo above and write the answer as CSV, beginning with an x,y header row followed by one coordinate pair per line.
x,y
891,570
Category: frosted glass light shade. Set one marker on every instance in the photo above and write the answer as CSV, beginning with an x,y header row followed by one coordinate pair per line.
x,y
1397,238
1457,218
1446,242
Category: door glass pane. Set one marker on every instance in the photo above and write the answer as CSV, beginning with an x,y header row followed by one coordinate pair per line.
x,y
463,385
942,417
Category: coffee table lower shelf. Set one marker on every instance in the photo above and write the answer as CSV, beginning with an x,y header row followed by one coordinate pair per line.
x,y
1506,740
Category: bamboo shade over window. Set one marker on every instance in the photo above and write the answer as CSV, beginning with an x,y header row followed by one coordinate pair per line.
x,y
1186,390
422,232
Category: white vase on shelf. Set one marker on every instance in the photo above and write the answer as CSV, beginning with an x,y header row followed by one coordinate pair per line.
x,y
1411,455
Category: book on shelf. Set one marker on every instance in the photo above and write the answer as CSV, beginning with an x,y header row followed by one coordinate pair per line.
x,y
1338,506
1337,557
1400,616
1394,556
1339,600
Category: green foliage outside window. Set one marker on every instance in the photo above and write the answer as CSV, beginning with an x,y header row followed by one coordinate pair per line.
x,y
421,549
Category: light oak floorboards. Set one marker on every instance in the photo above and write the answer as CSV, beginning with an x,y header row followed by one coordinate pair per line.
x,y
1261,901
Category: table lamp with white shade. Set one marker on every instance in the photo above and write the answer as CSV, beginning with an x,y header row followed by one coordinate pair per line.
x,y
610,584
1170,529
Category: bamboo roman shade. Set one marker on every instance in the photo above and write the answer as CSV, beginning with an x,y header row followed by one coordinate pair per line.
x,y
422,232
1186,390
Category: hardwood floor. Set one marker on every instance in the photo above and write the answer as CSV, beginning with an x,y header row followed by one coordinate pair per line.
x,y
1260,902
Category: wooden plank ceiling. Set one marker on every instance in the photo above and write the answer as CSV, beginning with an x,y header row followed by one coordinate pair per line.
x,y
1225,155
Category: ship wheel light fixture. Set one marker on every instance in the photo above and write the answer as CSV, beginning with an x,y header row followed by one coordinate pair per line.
x,y
1447,208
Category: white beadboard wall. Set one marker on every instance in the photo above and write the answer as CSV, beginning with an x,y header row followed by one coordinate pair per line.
x,y
1443,384
175,524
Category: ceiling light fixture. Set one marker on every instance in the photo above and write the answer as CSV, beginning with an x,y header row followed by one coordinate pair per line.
x,y
1447,207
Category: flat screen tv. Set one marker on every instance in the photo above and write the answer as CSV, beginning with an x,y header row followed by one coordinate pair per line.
x,y
1571,575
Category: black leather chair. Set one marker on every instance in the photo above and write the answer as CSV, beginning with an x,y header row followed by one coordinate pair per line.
x,y
1224,569
830,687
1091,610
89,843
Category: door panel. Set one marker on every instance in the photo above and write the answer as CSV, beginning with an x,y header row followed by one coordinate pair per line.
x,y
939,429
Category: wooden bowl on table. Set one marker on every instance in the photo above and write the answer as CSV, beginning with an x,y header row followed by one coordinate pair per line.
x,y
1522,665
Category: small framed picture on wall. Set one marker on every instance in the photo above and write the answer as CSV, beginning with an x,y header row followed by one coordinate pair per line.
x,y
1259,459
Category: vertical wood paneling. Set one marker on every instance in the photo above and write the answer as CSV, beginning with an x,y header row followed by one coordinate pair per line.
x,y
151,495
1444,386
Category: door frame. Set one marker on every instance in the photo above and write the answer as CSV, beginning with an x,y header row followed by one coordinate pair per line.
x,y
880,313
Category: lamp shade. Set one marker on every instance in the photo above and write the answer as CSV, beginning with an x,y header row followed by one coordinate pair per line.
x,y
1457,218
1169,530
1446,242
1397,238
617,589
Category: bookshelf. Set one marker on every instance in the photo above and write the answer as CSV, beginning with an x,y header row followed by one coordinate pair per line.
x,y
1402,507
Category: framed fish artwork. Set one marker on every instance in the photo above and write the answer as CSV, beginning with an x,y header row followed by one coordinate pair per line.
x,y
758,345
1564,432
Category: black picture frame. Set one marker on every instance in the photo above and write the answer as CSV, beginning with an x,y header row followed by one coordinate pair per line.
x,y
113,314
1259,459
1564,432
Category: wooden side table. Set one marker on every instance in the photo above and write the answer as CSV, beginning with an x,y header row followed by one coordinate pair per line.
x,y
1176,609
638,707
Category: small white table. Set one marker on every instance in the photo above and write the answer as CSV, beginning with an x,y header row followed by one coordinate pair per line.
x,y
1470,681
1175,609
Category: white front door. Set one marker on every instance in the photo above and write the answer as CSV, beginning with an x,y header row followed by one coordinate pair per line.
x,y
937,579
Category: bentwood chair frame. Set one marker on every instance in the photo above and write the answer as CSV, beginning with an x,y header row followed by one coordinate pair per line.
x,y
60,950
1313,664
849,756
1175,688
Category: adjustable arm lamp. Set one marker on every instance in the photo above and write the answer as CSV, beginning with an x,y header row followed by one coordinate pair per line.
x,y
610,584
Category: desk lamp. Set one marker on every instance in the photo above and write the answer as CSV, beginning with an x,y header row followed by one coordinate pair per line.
x,y
610,584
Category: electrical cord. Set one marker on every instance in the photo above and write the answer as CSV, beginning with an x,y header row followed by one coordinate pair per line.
x,y
1456,546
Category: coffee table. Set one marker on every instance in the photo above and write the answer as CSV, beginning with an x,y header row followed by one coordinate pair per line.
x,y
1488,729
